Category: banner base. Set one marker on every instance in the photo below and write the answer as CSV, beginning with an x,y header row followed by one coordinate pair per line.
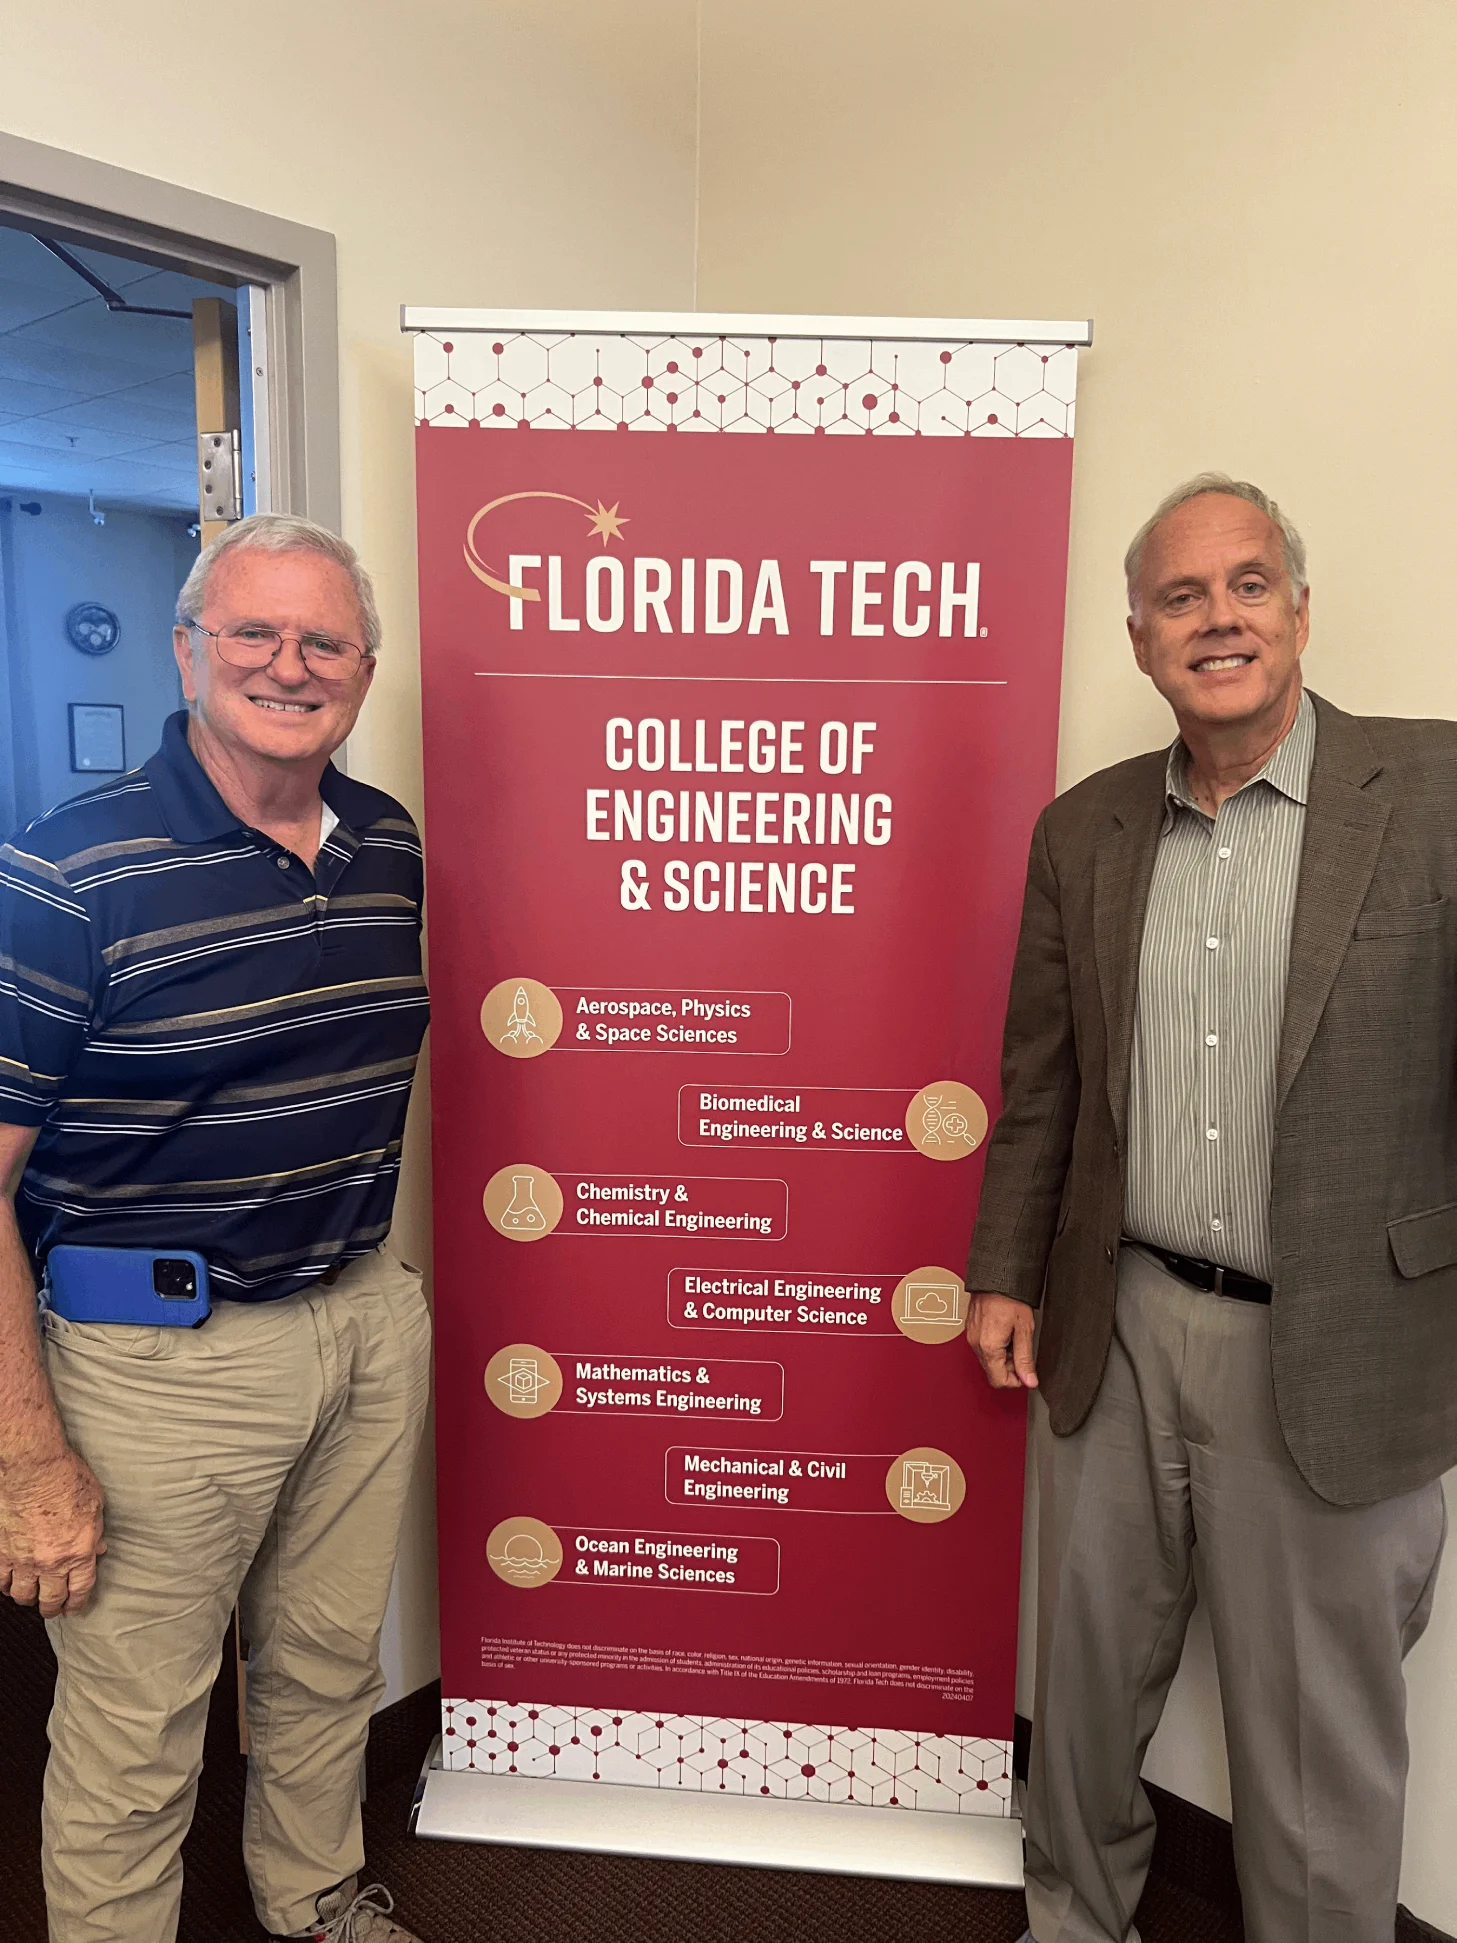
x,y
833,1838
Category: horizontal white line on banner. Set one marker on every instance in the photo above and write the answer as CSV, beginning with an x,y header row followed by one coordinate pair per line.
x,y
690,323
791,681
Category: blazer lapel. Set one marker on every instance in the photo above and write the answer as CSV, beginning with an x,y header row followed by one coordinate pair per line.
x,y
1122,872
1345,820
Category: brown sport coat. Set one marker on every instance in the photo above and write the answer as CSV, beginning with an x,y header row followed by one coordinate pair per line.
x,y
1363,1197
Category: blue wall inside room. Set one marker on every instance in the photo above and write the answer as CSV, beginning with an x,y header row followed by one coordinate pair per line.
x,y
134,565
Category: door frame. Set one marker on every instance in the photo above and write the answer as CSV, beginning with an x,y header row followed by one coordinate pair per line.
x,y
80,200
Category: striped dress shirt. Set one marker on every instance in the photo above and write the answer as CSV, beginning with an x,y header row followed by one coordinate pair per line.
x,y
216,1042
1211,1003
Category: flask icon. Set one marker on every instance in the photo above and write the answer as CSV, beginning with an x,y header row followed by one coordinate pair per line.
x,y
522,1215
522,1202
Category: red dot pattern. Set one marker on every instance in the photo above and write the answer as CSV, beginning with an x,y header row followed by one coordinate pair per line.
x,y
873,1767
571,382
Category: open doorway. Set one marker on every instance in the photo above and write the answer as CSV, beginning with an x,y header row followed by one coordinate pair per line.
x,y
128,307
109,369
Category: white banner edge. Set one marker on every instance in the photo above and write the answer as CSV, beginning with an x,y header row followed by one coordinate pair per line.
x,y
1077,333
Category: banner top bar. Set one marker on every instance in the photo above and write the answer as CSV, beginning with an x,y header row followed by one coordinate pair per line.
x,y
709,323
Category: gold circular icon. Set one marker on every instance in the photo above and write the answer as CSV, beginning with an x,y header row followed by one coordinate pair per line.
x,y
522,1202
946,1120
521,1017
925,1485
524,1552
524,1381
930,1305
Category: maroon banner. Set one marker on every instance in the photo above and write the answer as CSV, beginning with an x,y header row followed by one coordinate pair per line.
x,y
733,748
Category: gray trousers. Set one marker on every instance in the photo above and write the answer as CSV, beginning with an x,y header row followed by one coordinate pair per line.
x,y
1312,1608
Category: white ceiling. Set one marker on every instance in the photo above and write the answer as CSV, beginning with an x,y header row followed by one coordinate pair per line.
x,y
91,400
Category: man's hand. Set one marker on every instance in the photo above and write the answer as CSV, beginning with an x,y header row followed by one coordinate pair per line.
x,y
1000,1331
50,1533
50,1504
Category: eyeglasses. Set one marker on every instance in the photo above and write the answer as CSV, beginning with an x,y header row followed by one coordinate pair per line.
x,y
242,645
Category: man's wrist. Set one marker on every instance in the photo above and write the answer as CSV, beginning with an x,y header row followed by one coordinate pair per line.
x,y
32,1445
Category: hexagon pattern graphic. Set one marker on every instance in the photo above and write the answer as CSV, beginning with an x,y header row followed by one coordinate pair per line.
x,y
891,388
875,1768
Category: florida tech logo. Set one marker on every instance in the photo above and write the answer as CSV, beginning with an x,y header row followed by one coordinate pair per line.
x,y
645,594
603,522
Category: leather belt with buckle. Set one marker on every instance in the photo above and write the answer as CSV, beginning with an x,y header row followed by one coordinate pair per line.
x,y
1209,1276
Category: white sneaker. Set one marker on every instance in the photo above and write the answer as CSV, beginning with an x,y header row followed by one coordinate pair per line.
x,y
350,1914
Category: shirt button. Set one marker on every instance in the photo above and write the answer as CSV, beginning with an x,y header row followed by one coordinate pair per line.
x,y
283,863
1224,850
1216,1224
1211,1133
1211,1038
1211,944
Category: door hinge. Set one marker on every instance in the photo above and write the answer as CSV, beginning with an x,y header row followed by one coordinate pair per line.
x,y
220,475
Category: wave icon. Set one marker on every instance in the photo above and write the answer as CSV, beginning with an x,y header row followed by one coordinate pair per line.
x,y
524,1552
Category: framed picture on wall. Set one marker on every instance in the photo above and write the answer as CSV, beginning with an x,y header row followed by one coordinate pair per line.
x,y
98,738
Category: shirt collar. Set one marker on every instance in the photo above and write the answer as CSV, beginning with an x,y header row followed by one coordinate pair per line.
x,y
1288,769
193,812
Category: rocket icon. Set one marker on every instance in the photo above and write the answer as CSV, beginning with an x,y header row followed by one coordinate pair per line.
x,y
521,1026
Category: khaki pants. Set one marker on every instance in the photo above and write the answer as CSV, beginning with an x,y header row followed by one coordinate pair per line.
x,y
265,1457
1312,1608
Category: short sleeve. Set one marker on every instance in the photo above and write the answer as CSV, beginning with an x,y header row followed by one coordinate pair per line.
x,y
45,983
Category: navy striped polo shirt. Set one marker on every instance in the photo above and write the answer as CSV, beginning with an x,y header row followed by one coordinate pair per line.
x,y
216,1043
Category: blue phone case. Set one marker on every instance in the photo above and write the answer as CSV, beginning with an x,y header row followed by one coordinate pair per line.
x,y
120,1285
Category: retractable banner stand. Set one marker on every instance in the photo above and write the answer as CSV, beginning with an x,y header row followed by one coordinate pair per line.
x,y
741,645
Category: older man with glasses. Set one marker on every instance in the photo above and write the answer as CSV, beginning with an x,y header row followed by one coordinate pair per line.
x,y
211,1007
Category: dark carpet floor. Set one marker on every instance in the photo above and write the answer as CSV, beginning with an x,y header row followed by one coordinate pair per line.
x,y
455,1893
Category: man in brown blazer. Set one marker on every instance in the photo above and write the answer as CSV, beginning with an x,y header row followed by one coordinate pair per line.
x,y
1225,1181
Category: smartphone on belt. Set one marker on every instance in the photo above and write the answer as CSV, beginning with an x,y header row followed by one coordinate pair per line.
x,y
166,1286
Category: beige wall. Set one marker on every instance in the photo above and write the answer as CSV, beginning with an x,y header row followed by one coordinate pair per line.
x,y
1255,204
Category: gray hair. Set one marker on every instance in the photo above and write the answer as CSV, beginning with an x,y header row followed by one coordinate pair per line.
x,y
279,533
1220,482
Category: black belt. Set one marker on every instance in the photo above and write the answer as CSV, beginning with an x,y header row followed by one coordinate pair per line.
x,y
1208,1276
